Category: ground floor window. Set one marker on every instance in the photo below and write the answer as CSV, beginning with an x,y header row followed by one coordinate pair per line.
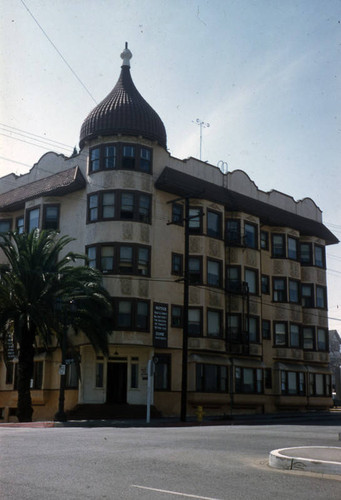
x,y
162,374
37,380
71,375
134,373
248,380
319,384
99,372
211,378
292,383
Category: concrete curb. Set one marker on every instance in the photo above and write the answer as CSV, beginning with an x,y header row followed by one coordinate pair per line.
x,y
308,459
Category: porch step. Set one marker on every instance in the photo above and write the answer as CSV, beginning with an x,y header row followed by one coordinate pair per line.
x,y
110,412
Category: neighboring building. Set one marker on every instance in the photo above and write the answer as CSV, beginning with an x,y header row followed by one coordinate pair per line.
x,y
335,362
257,315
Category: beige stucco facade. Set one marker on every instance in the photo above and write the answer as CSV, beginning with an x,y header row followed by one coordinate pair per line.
x,y
250,349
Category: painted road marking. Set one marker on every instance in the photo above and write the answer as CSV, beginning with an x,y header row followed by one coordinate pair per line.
x,y
172,492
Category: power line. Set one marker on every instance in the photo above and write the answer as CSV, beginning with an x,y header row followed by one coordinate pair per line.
x,y
58,51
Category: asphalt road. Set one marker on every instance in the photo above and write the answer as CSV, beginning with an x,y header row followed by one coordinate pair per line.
x,y
211,462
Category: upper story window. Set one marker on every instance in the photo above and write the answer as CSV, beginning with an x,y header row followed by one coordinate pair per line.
x,y
119,205
120,156
177,264
195,220
20,224
214,224
5,225
51,217
251,278
195,270
279,290
120,258
278,246
131,314
294,291
177,214
264,240
292,248
320,258
250,235
233,279
214,277
306,254
232,233
32,219
307,293
214,323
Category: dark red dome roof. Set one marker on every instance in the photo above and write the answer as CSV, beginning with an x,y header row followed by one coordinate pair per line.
x,y
124,111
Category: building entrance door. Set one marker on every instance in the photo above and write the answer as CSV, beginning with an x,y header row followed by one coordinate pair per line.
x,y
117,383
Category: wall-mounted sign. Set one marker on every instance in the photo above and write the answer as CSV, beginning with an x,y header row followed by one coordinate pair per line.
x,y
160,325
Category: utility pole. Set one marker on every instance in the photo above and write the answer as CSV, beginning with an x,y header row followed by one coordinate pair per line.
x,y
183,415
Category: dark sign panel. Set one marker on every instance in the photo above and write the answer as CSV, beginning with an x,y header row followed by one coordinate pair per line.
x,y
160,324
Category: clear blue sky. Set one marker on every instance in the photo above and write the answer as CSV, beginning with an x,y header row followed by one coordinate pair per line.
x,y
265,74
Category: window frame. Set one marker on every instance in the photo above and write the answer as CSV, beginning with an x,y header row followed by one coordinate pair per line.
x,y
174,271
175,324
240,384
117,268
309,260
28,213
235,240
191,217
219,314
201,378
283,297
275,253
220,275
256,280
209,231
46,206
136,214
200,324
296,256
133,326
280,334
191,280
137,163
264,240
233,285
307,301
323,290
297,283
163,360
254,237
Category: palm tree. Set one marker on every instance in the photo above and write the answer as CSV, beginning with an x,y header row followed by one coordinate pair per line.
x,y
36,280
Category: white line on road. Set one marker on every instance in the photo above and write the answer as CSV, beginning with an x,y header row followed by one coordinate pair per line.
x,y
172,492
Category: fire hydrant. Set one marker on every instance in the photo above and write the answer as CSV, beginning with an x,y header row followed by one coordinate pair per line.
x,y
200,413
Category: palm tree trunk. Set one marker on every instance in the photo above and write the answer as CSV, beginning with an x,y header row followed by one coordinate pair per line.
x,y
25,374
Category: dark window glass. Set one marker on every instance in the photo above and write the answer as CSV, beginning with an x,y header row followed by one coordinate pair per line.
x,y
162,375
176,320
213,224
213,273
322,340
306,255
124,317
177,213
211,378
33,219
233,279
294,295
128,157
99,374
266,329
248,380
251,278
233,232
194,321
195,270
94,159
143,261
109,157
107,258
144,208
214,323
134,376
5,226
292,383
292,248
91,253
320,260
265,284
142,315
308,338
93,207
145,160
278,246
195,218
307,292
126,260
295,336
9,373
127,206
177,264
280,334
108,205
233,327
279,290
131,314
321,294
51,217
250,235
253,329
264,240
268,378
20,226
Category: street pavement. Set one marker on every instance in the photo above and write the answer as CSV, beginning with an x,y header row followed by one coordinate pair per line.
x,y
163,460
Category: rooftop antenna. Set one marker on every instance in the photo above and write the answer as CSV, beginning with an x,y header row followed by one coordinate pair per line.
x,y
201,125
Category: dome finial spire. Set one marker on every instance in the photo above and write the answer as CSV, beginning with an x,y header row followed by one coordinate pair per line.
x,y
126,56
